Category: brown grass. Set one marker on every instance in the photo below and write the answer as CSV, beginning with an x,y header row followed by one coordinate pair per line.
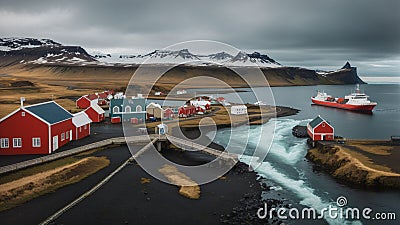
x,y
375,149
365,163
21,190
354,167
188,187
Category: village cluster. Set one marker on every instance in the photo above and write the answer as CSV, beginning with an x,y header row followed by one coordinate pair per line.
x,y
43,128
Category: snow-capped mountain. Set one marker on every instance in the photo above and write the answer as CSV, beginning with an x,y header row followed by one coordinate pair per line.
x,y
46,51
12,44
41,51
179,54
220,56
187,57
253,59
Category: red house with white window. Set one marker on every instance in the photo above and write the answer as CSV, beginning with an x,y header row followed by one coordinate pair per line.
x,y
95,113
320,130
37,129
86,100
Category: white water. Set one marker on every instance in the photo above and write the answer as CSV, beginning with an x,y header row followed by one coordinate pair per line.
x,y
286,150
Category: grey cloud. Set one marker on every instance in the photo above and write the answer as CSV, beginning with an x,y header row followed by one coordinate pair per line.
x,y
291,31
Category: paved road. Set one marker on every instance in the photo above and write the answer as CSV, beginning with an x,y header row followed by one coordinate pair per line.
x,y
37,210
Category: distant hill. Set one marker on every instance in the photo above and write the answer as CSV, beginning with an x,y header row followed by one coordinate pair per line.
x,y
45,56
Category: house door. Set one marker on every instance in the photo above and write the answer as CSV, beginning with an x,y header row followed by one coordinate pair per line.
x,y
70,135
323,137
55,143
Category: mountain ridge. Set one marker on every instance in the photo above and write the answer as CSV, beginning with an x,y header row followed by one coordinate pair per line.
x,y
25,52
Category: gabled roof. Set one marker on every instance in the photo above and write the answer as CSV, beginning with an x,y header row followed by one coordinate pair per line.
x,y
92,96
96,108
153,105
315,122
50,112
80,119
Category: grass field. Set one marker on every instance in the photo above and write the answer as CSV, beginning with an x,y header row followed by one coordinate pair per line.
x,y
18,188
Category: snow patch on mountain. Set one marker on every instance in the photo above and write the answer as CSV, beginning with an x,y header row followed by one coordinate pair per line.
x,y
186,57
12,44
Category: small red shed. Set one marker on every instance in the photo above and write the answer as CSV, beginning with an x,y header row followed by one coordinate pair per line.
x,y
86,100
168,113
320,130
95,113
36,129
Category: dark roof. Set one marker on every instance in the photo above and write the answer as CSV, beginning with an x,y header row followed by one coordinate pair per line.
x,y
316,121
49,112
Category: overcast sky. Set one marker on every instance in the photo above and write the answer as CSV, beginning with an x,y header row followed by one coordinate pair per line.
x,y
308,33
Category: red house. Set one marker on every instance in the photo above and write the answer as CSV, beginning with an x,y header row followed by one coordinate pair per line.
x,y
81,122
102,98
95,113
168,113
36,129
85,101
319,129
185,111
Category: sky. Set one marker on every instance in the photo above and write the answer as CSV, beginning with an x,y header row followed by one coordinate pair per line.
x,y
317,34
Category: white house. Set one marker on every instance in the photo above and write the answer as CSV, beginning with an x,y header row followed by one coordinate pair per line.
x,y
238,109
162,128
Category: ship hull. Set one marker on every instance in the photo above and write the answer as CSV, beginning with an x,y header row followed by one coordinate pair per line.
x,y
362,108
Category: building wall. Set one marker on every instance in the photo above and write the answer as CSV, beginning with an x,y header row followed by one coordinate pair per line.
x,y
94,116
81,132
320,132
310,134
132,103
15,127
323,128
156,112
59,129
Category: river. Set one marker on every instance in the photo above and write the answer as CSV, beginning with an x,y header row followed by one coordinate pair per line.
x,y
285,166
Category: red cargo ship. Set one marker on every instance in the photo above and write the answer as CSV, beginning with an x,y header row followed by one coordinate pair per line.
x,y
356,101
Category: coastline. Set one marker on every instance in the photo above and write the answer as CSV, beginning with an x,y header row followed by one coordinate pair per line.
x,y
234,198
368,164
245,209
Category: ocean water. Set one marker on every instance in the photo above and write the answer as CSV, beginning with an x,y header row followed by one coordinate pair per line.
x,y
285,165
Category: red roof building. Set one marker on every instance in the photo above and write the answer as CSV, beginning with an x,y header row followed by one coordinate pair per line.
x,y
95,113
85,101
37,129
168,113
320,130
185,111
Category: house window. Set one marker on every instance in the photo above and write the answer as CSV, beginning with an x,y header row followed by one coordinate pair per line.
x,y
323,124
128,109
62,136
115,109
4,143
35,142
80,129
67,135
85,127
138,108
17,142
23,114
